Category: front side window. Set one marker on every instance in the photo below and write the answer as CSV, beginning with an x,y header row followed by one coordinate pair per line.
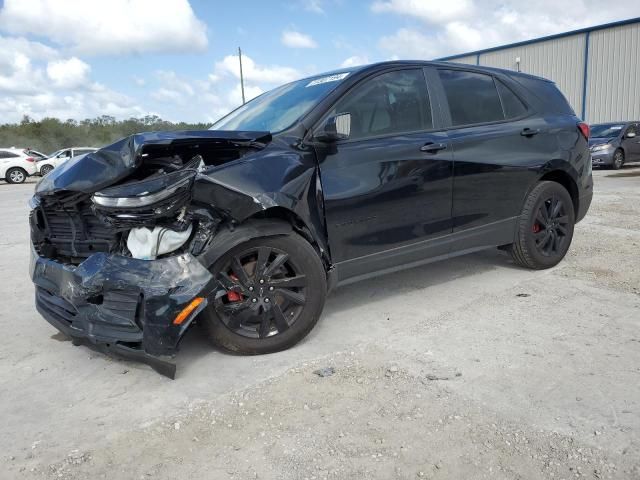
x,y
391,103
473,97
632,129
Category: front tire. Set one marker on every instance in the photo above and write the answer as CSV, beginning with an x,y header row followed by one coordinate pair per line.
x,y
16,175
545,227
275,291
618,159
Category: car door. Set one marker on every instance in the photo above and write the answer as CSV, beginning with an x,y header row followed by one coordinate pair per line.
x,y
632,145
496,140
387,188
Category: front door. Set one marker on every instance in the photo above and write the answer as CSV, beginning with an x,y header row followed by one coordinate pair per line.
x,y
632,145
387,188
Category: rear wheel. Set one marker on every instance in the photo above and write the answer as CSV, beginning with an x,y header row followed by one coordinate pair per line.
x,y
545,227
16,175
274,291
618,159
45,169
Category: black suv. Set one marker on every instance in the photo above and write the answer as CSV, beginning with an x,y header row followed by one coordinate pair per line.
x,y
317,183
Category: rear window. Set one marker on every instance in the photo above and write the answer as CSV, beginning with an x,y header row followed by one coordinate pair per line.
x,y
473,97
512,105
552,98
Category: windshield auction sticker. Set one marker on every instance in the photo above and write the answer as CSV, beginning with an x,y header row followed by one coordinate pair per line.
x,y
330,78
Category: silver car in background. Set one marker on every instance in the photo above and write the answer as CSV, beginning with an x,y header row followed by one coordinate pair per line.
x,y
613,144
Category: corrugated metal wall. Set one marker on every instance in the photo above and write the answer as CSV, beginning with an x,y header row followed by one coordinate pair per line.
x,y
613,74
613,69
469,59
560,60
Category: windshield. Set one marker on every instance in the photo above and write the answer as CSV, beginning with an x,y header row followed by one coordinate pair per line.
x,y
281,107
606,130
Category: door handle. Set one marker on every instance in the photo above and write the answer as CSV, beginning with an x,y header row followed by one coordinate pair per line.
x,y
529,132
431,147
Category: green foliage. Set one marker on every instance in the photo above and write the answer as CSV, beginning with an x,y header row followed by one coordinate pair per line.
x,y
51,134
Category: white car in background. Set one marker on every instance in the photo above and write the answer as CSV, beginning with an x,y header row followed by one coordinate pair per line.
x,y
16,164
61,156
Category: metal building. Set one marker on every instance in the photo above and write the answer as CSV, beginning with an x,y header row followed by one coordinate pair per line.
x,y
597,68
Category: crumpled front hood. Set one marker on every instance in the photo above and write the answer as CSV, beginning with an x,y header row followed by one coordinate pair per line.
x,y
94,171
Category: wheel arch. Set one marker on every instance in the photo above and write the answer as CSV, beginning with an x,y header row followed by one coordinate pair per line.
x,y
564,179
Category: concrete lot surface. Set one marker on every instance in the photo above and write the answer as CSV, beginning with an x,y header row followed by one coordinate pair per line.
x,y
471,368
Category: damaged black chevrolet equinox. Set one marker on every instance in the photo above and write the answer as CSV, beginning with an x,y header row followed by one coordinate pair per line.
x,y
317,183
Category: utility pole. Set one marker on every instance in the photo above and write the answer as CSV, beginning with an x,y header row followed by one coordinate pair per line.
x,y
241,77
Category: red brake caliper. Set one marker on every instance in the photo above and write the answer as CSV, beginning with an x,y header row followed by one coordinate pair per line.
x,y
536,227
233,296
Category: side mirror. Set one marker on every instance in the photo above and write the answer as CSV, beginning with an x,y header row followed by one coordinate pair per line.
x,y
631,135
335,128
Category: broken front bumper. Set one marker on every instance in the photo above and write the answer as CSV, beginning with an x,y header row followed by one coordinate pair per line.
x,y
122,305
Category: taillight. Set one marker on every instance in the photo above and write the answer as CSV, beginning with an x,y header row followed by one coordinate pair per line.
x,y
29,159
584,130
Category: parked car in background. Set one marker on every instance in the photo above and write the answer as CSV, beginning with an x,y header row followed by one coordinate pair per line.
x,y
323,181
57,158
16,164
613,144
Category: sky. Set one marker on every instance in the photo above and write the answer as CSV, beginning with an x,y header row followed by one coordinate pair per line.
x,y
178,58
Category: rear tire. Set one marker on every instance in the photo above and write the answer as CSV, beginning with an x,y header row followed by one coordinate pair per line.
x,y
618,159
545,227
255,318
45,169
16,175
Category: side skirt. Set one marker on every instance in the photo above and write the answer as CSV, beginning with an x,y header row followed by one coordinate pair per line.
x,y
428,251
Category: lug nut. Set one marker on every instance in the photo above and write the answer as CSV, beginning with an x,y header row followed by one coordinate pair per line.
x,y
261,280
271,288
254,300
251,289
266,300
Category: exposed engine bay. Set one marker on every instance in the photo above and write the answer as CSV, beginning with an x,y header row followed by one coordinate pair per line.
x,y
146,215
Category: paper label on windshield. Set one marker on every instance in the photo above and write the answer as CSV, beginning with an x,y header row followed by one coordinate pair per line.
x,y
331,78
616,127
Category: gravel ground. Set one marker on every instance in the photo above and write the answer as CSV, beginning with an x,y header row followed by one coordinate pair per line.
x,y
470,368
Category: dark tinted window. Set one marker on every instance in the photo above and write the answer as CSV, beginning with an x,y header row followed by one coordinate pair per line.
x,y
472,97
512,105
394,102
552,98
4,154
633,128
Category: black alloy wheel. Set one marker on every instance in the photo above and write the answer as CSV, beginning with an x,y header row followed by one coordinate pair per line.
x,y
271,294
545,227
265,292
551,226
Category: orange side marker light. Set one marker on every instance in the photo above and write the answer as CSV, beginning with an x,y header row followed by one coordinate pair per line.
x,y
184,314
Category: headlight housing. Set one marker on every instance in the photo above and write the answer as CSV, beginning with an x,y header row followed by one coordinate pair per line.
x,y
601,147
144,193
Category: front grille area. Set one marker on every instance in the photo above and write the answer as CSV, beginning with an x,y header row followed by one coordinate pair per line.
x,y
72,232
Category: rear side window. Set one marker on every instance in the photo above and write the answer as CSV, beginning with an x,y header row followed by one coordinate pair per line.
x,y
4,154
473,97
551,97
512,105
391,103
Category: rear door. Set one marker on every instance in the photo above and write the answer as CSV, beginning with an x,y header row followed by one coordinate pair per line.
x,y
387,189
496,139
